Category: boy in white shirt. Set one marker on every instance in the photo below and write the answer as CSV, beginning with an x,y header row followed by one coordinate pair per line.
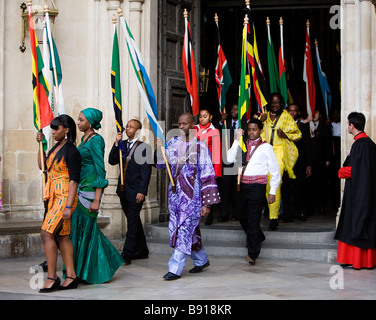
x,y
260,161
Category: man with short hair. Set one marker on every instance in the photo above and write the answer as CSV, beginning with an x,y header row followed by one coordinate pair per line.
x,y
258,161
137,164
356,229
195,191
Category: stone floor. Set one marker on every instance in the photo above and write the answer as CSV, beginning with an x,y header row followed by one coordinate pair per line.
x,y
226,279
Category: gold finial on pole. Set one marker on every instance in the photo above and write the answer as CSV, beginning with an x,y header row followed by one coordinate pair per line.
x,y
267,21
308,24
246,19
280,21
316,43
119,12
46,8
216,18
29,3
247,2
185,13
114,20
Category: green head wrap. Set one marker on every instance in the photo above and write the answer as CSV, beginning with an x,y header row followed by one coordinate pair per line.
x,y
94,116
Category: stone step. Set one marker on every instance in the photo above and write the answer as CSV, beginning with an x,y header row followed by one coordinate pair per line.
x,y
236,233
303,244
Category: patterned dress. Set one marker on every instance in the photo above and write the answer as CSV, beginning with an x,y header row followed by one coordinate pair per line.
x,y
195,187
56,192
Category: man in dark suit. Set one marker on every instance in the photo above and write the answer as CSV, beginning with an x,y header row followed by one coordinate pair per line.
x,y
321,156
294,191
137,166
227,184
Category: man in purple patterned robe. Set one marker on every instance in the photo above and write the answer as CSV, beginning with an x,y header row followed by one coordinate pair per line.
x,y
195,191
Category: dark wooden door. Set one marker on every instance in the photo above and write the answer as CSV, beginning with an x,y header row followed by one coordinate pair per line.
x,y
172,93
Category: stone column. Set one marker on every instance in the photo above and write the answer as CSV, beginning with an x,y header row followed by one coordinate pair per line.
x,y
143,21
358,67
110,202
2,114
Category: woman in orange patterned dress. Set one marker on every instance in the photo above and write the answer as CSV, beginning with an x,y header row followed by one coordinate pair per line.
x,y
63,167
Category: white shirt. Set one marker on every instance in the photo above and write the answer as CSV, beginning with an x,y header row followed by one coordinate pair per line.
x,y
336,129
262,162
131,143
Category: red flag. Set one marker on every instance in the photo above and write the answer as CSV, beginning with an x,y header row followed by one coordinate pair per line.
x,y
189,68
42,111
308,76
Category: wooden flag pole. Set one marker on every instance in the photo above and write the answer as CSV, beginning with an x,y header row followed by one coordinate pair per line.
x,y
120,13
41,151
162,147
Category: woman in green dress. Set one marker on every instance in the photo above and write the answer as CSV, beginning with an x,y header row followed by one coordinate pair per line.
x,y
96,259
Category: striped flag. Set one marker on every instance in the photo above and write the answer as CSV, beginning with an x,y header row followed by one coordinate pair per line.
x,y
259,86
272,62
116,84
282,68
143,82
47,131
222,73
189,68
245,82
325,89
55,67
41,108
308,76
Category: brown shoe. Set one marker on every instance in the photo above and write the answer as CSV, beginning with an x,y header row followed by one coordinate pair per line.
x,y
250,260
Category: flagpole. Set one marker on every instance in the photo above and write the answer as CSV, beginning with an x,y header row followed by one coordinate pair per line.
x,y
114,21
216,19
162,147
46,9
120,13
41,151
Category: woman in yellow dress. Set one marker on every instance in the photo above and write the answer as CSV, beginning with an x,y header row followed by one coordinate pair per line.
x,y
281,131
63,165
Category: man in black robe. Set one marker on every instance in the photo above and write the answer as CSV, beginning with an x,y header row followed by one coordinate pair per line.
x,y
356,230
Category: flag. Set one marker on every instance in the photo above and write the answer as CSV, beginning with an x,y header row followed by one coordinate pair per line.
x,y
245,82
325,89
222,73
272,63
189,68
47,131
143,82
41,108
258,80
115,83
282,68
308,76
55,67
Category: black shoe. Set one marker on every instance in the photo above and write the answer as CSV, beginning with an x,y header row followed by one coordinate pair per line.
x,y
171,276
127,261
209,220
273,225
141,256
72,285
54,287
198,269
222,219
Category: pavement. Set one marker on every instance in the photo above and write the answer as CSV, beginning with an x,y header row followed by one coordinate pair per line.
x,y
227,279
